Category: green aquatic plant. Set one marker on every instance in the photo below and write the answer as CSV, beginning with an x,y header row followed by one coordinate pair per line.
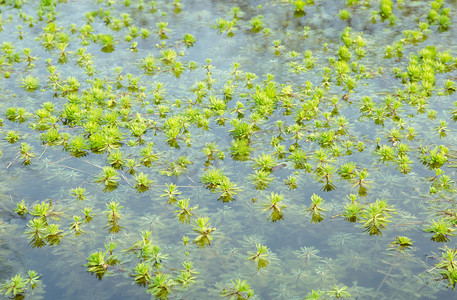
x,y
146,111
183,211
339,292
261,179
45,211
347,171
187,277
26,154
441,229
344,14
274,207
109,178
386,153
261,257
116,159
149,65
402,242
325,173
88,216
447,266
51,137
29,59
142,182
291,182
78,193
75,226
161,285
314,295
442,129
376,216
203,228
12,136
18,287
226,26
239,290
37,232
435,158
142,274
189,40
212,178
63,56
146,251
113,215
257,24
19,114
212,152
177,167
162,30
107,42
300,7
316,209
265,162
172,192
240,149
386,8
98,263
360,182
241,130
21,208
30,83
78,146
53,234
228,189
352,209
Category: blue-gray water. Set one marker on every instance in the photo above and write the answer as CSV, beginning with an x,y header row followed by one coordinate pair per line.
x,y
304,256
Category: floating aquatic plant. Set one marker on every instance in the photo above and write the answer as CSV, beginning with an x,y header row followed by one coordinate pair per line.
x,y
121,94
240,290
19,287
204,229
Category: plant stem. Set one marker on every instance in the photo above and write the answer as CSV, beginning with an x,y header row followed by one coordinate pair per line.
x,y
388,272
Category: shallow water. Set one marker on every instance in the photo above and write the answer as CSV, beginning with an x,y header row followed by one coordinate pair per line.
x,y
304,256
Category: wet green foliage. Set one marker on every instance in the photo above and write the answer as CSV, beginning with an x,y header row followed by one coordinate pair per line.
x,y
18,287
133,129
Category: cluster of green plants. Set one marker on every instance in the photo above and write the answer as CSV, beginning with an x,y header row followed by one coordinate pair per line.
x,y
230,163
19,287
